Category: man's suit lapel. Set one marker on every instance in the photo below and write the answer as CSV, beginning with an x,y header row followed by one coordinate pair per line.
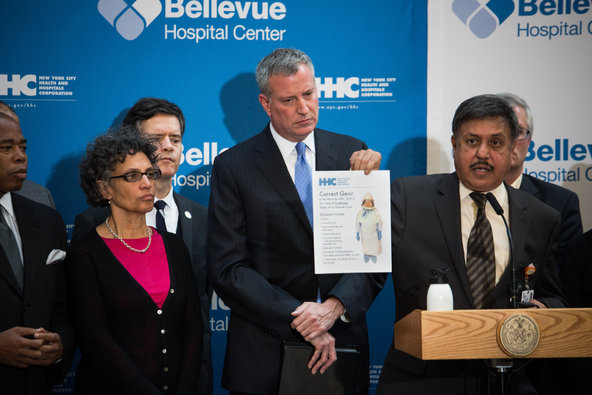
x,y
185,222
30,231
326,156
519,223
447,206
7,273
269,161
527,186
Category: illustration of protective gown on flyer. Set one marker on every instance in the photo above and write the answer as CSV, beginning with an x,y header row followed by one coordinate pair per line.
x,y
369,229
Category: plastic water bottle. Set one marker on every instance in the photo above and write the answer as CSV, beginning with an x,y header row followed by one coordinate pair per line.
x,y
439,293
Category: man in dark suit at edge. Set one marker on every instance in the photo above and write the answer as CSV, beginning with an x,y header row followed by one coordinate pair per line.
x,y
561,199
435,219
30,189
36,338
165,122
550,376
260,241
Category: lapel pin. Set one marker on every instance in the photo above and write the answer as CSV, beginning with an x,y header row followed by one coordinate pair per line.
x,y
528,294
188,214
529,270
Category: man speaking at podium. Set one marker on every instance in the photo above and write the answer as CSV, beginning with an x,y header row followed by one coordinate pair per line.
x,y
445,221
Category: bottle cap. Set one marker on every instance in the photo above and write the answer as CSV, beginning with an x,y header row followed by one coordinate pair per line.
x,y
439,276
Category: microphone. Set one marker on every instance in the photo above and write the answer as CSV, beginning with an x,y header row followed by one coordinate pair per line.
x,y
496,206
500,211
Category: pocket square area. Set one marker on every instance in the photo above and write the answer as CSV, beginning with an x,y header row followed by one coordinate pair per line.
x,y
55,256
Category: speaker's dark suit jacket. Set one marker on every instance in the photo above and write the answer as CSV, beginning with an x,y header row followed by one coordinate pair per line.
x,y
426,234
43,301
260,259
193,227
576,277
576,274
562,200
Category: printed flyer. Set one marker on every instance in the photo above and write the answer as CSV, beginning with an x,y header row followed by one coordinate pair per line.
x,y
352,221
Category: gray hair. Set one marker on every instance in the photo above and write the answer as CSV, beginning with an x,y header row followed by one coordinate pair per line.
x,y
516,101
284,61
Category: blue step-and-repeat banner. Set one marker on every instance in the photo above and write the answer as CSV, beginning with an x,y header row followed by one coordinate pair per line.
x,y
71,69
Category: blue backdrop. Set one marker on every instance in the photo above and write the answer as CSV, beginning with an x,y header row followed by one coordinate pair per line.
x,y
73,68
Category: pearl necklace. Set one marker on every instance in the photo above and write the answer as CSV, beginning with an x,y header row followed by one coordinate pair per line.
x,y
127,245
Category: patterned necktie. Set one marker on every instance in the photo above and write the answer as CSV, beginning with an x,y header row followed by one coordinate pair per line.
x,y
303,180
11,248
481,255
160,224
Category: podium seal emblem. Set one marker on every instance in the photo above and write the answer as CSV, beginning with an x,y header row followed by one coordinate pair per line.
x,y
518,335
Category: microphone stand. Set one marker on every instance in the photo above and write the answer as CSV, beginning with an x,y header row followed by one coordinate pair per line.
x,y
503,366
500,211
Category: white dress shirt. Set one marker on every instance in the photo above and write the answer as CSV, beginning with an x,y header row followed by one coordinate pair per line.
x,y
468,215
171,213
8,213
517,182
288,150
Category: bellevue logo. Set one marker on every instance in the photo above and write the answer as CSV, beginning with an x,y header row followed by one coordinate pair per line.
x,y
129,20
481,16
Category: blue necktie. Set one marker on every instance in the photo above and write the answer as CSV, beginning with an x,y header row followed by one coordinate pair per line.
x,y
303,180
160,224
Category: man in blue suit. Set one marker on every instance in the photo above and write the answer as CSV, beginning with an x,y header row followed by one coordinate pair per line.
x,y
260,237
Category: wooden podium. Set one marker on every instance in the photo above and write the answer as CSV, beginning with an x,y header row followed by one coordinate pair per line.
x,y
496,334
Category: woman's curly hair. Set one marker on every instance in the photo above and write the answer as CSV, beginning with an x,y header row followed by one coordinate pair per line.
x,y
105,152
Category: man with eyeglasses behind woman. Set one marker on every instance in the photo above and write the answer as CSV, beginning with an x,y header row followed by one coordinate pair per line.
x,y
561,199
550,376
134,302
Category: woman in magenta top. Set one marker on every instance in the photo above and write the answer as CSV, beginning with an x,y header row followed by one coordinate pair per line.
x,y
134,303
